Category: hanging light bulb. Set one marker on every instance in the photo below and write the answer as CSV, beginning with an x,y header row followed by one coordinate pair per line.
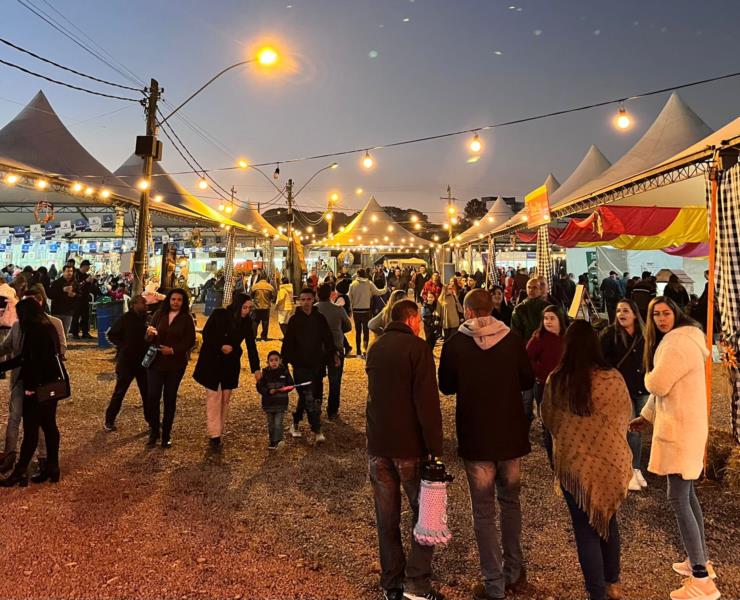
x,y
276,173
142,184
76,187
105,193
89,191
334,197
475,144
221,207
367,161
158,198
11,179
203,184
623,119
42,184
229,210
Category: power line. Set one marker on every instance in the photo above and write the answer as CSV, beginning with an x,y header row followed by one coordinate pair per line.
x,y
482,127
69,85
133,77
65,32
70,70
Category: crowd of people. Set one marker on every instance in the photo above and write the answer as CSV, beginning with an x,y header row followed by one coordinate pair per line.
x,y
595,392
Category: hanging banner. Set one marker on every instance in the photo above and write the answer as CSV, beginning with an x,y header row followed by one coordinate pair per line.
x,y
81,224
36,230
65,226
537,207
19,231
92,246
25,248
53,246
96,223
4,232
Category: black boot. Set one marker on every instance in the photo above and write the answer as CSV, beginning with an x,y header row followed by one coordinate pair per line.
x,y
166,441
16,478
7,461
153,437
47,474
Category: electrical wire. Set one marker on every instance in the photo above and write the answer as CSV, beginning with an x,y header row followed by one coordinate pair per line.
x,y
69,85
68,69
68,34
132,76
429,138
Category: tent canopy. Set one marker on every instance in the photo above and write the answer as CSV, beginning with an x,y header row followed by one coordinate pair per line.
x,y
36,145
249,217
666,216
373,228
499,213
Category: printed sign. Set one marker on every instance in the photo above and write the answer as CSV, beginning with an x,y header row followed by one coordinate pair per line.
x,y
4,232
537,206
96,223
65,226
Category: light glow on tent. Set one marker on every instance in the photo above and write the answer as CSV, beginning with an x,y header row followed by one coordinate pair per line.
x,y
11,179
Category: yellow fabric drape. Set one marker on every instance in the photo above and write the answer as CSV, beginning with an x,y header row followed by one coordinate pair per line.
x,y
690,225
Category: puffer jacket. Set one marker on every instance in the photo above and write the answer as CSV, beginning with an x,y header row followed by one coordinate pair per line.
x,y
262,294
284,300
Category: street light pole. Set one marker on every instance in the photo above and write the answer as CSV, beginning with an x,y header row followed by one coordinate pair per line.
x,y
141,255
293,274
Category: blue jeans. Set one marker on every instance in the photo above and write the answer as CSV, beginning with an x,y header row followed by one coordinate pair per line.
x,y
387,476
634,438
528,401
682,496
275,426
599,558
487,481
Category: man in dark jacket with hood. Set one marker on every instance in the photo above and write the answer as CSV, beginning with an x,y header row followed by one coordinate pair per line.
x,y
492,433
128,335
309,346
404,426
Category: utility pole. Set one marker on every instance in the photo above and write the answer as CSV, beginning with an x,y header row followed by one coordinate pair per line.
x,y
294,274
148,148
450,217
229,261
329,218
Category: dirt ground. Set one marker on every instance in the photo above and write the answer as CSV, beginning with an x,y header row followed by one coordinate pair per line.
x,y
128,522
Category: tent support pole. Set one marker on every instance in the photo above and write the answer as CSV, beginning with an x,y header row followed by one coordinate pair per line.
x,y
714,177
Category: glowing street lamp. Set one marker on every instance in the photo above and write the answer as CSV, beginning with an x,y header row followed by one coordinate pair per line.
x,y
367,161
475,144
623,119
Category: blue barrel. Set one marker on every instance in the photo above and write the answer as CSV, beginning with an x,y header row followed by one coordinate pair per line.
x,y
214,299
107,313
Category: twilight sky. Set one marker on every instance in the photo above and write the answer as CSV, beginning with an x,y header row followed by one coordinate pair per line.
x,y
369,72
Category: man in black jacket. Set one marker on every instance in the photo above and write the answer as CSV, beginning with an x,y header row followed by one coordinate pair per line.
x,y
85,287
419,280
128,334
63,295
404,426
492,433
309,346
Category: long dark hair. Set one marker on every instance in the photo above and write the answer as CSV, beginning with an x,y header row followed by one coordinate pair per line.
x,y
556,310
30,313
237,301
653,335
571,379
639,323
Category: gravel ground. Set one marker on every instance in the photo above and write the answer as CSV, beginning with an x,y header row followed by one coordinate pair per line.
x,y
127,522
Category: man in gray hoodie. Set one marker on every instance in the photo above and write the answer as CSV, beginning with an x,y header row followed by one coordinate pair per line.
x,y
492,434
361,291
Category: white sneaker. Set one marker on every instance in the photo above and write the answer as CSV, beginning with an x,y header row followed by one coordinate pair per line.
x,y
634,485
320,438
280,446
294,431
684,568
640,478
696,589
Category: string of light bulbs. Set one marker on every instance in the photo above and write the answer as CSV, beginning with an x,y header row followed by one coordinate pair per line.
x,y
476,144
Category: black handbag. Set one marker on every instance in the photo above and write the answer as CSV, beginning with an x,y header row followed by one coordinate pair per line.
x,y
56,389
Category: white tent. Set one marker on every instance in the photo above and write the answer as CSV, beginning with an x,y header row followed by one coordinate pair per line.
x,y
499,213
36,146
373,228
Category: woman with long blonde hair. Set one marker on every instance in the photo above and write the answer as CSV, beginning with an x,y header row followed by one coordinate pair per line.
x,y
675,351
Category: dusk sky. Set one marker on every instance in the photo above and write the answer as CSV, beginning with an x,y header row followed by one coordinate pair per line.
x,y
371,72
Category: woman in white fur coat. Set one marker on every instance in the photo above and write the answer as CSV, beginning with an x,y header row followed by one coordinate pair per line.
x,y
675,351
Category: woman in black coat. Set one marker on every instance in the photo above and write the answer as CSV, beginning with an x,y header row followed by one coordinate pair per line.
x,y
219,361
501,308
622,344
172,331
39,364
